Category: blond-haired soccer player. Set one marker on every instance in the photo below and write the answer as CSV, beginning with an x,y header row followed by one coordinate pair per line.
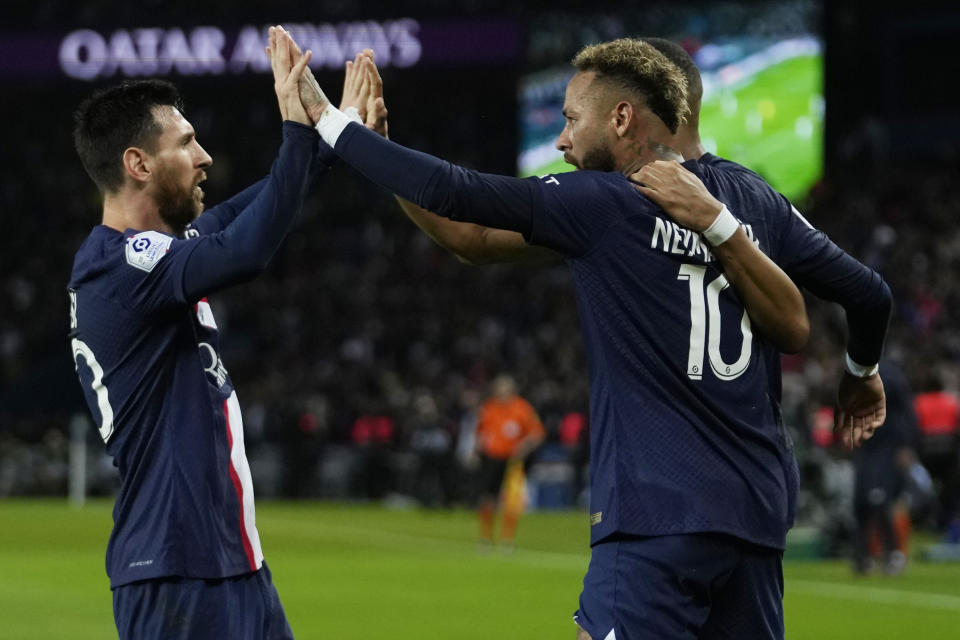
x,y
693,480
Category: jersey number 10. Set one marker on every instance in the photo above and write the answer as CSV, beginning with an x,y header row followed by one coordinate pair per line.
x,y
700,341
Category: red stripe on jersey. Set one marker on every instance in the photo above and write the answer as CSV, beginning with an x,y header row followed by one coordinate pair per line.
x,y
247,548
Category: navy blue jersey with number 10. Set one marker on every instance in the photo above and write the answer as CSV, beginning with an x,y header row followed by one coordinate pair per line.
x,y
686,431
147,352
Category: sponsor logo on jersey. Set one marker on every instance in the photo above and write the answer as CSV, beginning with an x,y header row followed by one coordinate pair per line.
x,y
596,518
214,366
145,249
140,563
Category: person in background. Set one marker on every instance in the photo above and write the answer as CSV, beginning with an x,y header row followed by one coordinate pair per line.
x,y
467,461
575,436
880,478
432,442
938,422
508,430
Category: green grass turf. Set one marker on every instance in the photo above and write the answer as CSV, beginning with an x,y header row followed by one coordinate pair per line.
x,y
365,572
780,94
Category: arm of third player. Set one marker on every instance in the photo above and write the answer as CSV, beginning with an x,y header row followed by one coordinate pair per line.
x,y
470,243
772,299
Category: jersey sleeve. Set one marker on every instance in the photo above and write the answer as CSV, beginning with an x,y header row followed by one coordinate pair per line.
x,y
547,211
221,216
573,211
160,271
816,263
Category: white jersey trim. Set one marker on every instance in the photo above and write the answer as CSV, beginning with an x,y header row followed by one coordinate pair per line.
x,y
797,213
238,460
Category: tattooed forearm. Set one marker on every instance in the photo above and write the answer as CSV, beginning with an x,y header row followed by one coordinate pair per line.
x,y
311,95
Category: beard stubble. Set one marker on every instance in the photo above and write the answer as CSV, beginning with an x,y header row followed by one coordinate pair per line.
x,y
177,206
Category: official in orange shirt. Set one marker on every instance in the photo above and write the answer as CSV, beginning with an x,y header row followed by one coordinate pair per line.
x,y
508,430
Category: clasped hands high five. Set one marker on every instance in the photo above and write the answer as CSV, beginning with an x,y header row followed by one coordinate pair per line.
x,y
302,100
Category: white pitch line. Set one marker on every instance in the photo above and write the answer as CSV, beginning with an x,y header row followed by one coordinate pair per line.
x,y
561,560
418,543
875,594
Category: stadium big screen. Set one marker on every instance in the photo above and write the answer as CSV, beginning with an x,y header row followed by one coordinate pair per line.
x,y
762,70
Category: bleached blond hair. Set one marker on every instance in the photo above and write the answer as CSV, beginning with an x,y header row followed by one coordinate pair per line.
x,y
639,68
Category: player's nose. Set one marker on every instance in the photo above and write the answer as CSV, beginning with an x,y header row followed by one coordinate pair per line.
x,y
563,142
205,160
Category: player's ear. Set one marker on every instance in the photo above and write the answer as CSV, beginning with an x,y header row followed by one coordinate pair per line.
x,y
136,164
622,117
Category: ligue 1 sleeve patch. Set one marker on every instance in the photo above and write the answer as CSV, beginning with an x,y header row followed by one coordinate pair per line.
x,y
145,249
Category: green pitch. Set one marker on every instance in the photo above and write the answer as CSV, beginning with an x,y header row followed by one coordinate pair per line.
x,y
772,123
364,572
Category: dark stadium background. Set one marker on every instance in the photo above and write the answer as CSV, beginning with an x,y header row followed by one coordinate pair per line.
x,y
360,315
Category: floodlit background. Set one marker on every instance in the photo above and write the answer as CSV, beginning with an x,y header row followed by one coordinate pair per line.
x,y
361,356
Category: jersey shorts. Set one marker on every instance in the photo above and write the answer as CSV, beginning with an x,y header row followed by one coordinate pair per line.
x,y
682,587
244,607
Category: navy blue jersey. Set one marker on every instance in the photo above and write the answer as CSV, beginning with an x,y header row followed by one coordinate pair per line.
x,y
815,263
146,347
686,433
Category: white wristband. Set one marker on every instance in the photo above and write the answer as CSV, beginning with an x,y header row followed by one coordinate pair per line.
x,y
723,227
859,370
333,121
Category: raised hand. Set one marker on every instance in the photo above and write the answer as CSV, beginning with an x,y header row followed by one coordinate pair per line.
x,y
356,86
363,90
376,117
288,70
311,96
861,409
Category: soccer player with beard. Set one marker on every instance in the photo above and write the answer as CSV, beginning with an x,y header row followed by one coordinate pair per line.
x,y
693,481
184,558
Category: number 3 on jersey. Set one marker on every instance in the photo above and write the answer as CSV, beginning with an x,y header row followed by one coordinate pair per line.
x,y
81,350
700,339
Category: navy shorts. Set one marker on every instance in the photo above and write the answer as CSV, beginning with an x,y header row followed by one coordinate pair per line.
x,y
244,607
697,586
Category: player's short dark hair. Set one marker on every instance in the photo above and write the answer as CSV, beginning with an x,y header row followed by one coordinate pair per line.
x,y
679,56
116,118
638,67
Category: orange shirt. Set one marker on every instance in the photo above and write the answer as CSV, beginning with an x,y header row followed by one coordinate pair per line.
x,y
503,425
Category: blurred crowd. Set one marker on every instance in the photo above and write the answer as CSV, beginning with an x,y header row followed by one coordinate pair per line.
x,y
366,350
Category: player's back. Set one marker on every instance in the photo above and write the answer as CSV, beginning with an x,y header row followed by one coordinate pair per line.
x,y
163,402
686,434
